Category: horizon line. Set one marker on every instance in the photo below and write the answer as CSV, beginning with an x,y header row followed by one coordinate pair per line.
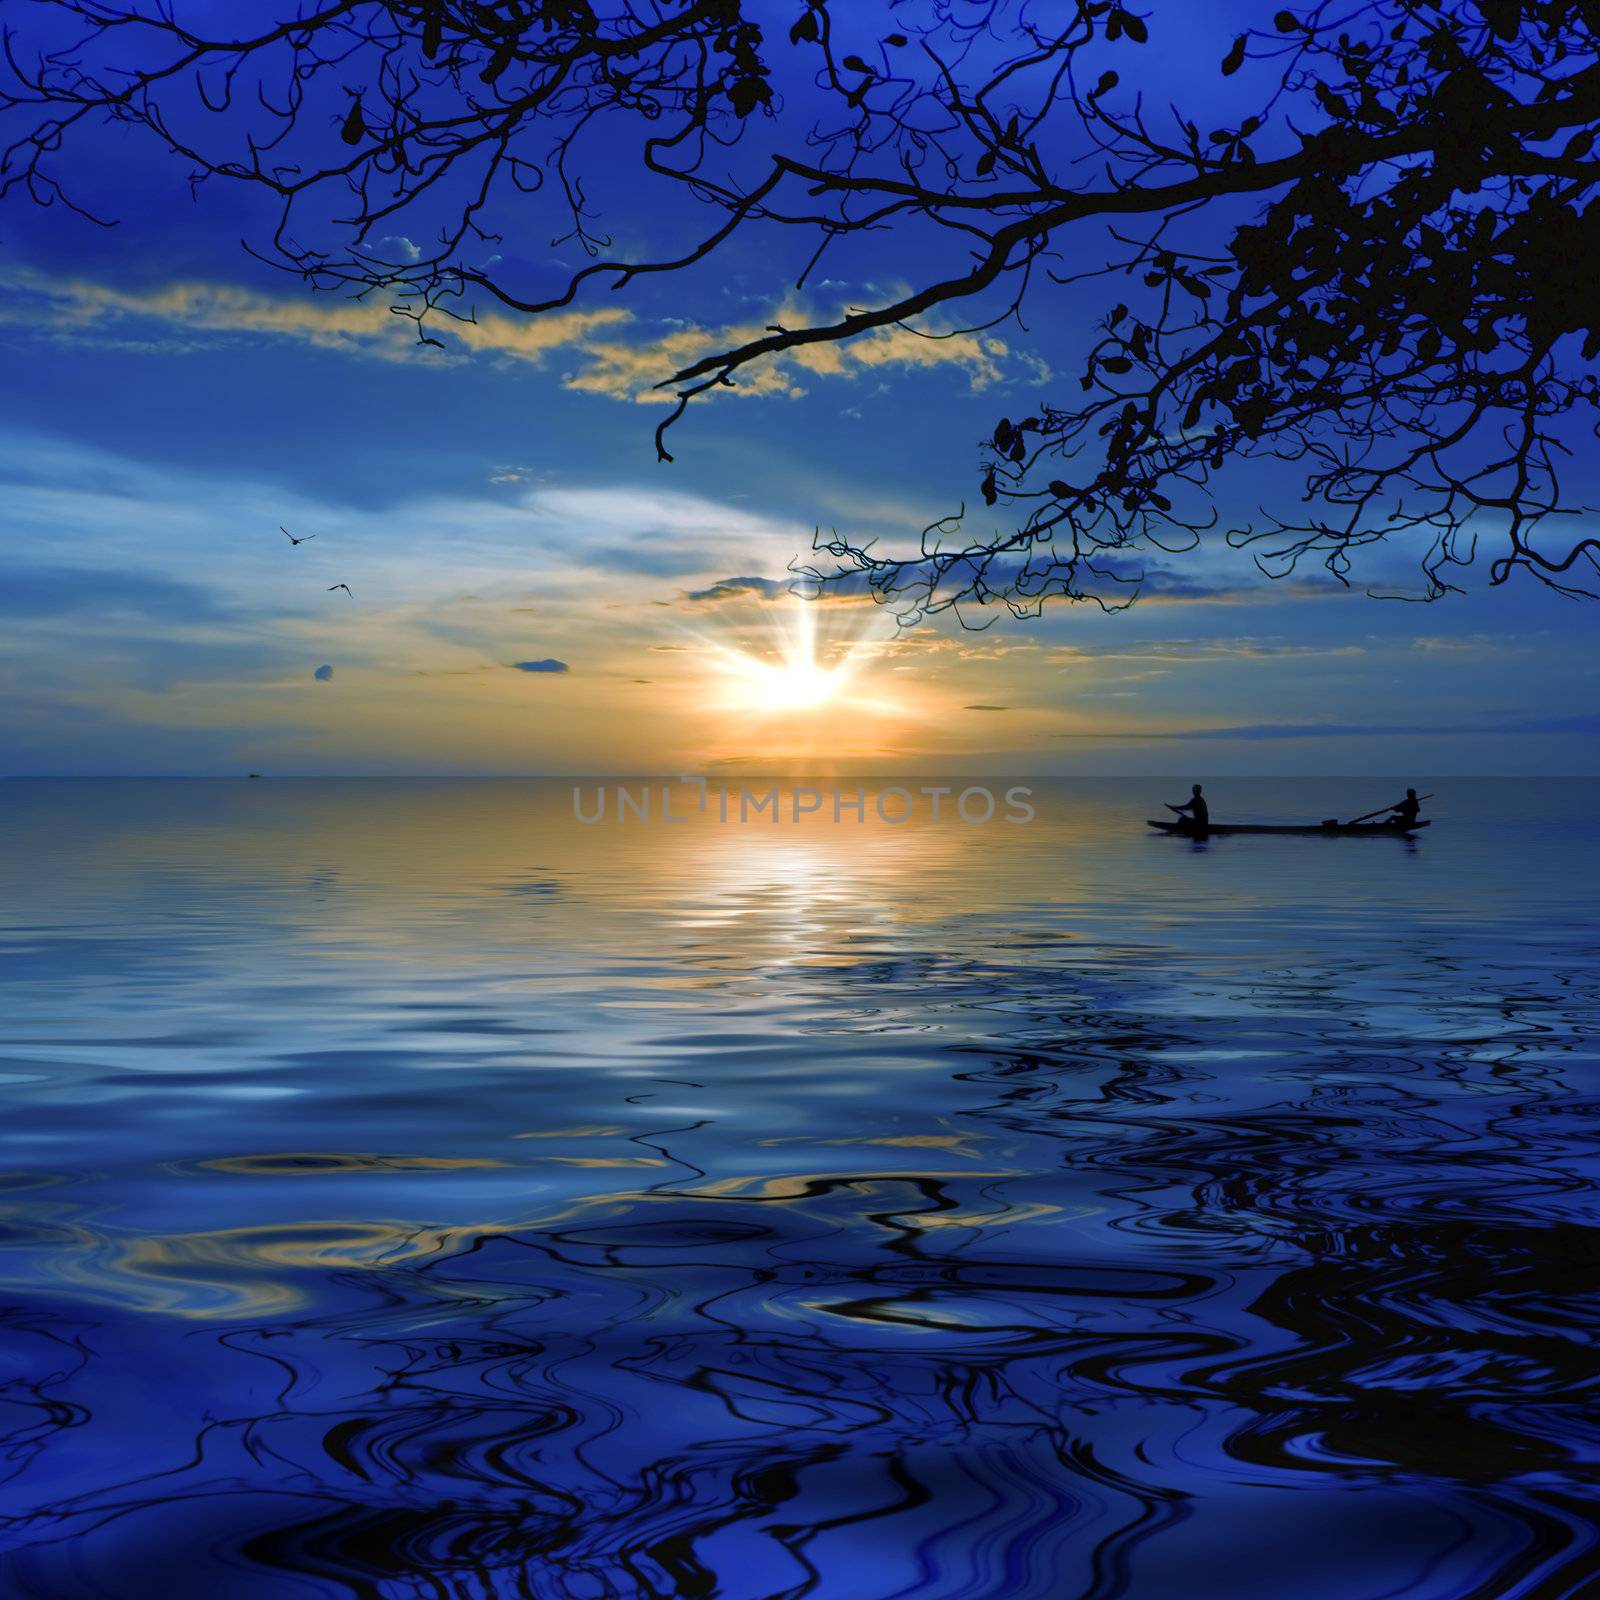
x,y
676,777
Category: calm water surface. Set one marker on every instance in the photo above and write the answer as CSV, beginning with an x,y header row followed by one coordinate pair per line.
x,y
411,1193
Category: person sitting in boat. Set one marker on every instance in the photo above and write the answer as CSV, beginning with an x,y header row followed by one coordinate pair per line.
x,y
1407,811
1195,805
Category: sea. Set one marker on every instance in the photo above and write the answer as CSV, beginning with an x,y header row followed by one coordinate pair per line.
x,y
411,1191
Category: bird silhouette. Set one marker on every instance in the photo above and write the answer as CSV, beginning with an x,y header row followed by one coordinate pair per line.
x,y
291,538
344,586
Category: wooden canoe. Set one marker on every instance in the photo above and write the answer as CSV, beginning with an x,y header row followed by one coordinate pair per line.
x,y
1391,830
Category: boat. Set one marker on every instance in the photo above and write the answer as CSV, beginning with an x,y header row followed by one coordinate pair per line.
x,y
1391,830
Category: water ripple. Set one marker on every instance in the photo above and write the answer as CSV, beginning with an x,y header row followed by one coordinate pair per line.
x,y
778,1218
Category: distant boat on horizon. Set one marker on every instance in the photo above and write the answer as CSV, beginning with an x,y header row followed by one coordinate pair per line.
x,y
1393,830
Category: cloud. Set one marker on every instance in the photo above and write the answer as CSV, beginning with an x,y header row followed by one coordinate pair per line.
x,y
323,674
1464,645
621,368
798,585
1583,722
79,307
733,588
549,664
631,370
1242,649
1311,730
176,542
61,591
1251,731
404,249
1164,586
986,708
1112,579
980,355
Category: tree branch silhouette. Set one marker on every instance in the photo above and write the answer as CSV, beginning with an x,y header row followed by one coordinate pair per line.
x,y
1376,272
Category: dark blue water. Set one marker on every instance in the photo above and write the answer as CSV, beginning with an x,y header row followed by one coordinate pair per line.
x,y
411,1193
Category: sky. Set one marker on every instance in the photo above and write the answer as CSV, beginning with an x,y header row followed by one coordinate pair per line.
x,y
530,591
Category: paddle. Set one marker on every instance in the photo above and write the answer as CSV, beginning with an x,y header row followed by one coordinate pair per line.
x,y
1379,812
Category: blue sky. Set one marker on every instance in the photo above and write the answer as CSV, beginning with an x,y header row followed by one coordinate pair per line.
x,y
172,402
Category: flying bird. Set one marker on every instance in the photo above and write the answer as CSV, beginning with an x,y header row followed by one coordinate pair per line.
x,y
291,538
344,586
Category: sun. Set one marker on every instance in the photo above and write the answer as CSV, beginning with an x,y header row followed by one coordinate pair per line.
x,y
789,679
790,686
